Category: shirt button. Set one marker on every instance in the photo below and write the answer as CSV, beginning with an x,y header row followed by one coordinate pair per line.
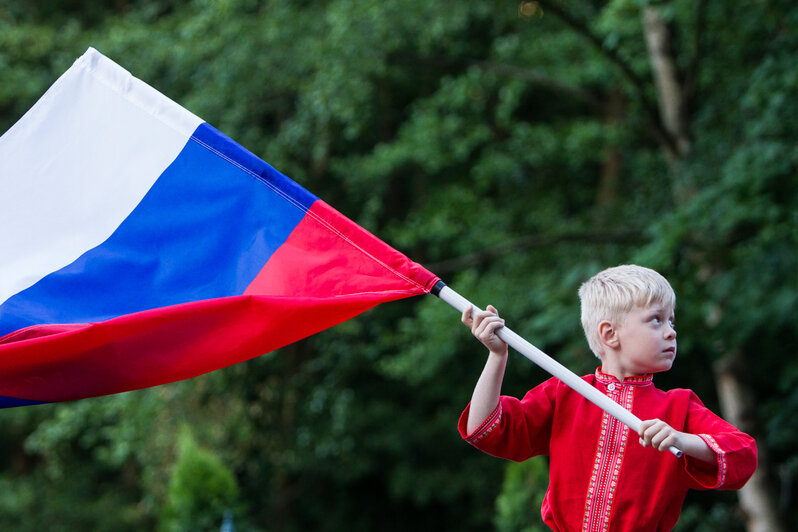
x,y
611,387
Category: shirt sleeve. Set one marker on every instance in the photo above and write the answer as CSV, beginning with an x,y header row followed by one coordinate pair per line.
x,y
736,455
516,429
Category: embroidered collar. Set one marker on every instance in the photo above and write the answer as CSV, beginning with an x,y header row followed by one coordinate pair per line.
x,y
637,380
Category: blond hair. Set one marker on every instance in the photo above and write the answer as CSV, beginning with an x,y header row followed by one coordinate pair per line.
x,y
614,292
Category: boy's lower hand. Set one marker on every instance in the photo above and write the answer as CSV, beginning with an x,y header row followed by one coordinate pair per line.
x,y
660,435
483,325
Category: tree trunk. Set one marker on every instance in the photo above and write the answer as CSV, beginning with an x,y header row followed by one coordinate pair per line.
x,y
758,496
670,92
607,193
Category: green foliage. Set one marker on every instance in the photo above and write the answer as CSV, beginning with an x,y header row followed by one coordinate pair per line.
x,y
201,488
518,505
502,147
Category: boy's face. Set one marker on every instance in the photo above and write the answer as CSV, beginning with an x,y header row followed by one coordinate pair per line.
x,y
646,341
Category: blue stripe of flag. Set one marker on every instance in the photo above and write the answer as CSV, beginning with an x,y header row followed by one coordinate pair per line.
x,y
204,230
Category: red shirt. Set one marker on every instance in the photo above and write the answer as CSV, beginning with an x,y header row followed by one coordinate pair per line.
x,y
600,477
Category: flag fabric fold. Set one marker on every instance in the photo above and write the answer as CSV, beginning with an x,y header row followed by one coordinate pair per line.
x,y
140,246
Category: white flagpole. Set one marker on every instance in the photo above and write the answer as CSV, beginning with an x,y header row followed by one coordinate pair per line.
x,y
553,367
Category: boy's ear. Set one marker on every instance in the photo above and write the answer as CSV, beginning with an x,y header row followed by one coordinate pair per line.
x,y
608,335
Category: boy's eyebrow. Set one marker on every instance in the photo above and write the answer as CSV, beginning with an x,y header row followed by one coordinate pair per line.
x,y
660,309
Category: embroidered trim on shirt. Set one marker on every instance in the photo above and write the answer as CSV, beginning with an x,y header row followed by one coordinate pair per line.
x,y
721,457
607,465
635,380
490,423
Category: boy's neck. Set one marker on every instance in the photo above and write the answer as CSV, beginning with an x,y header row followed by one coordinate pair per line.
x,y
617,372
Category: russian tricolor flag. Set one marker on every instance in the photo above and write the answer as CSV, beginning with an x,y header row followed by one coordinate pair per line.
x,y
140,246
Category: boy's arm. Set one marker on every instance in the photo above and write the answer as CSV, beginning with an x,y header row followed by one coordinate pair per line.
x,y
485,399
732,456
662,436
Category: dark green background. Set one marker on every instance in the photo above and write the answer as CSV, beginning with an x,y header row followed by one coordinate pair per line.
x,y
515,150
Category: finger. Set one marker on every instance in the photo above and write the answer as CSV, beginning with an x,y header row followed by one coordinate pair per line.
x,y
498,323
466,318
493,326
647,427
666,444
492,310
645,437
477,321
658,439
673,440
654,432
477,315
488,325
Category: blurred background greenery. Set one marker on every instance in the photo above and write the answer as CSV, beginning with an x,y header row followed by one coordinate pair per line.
x,y
514,149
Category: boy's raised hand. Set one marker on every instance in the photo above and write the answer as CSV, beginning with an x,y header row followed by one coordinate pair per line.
x,y
483,325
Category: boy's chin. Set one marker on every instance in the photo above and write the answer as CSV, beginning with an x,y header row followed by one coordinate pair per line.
x,y
664,366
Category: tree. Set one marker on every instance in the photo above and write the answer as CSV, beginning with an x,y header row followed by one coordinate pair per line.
x,y
515,150
201,489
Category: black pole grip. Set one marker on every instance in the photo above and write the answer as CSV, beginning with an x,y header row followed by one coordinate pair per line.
x,y
436,290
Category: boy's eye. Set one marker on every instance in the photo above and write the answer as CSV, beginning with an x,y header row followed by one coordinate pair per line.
x,y
658,320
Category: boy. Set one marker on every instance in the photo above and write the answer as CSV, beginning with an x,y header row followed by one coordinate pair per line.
x,y
600,477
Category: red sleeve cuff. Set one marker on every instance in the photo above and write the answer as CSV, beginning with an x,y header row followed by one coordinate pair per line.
x,y
487,426
708,476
